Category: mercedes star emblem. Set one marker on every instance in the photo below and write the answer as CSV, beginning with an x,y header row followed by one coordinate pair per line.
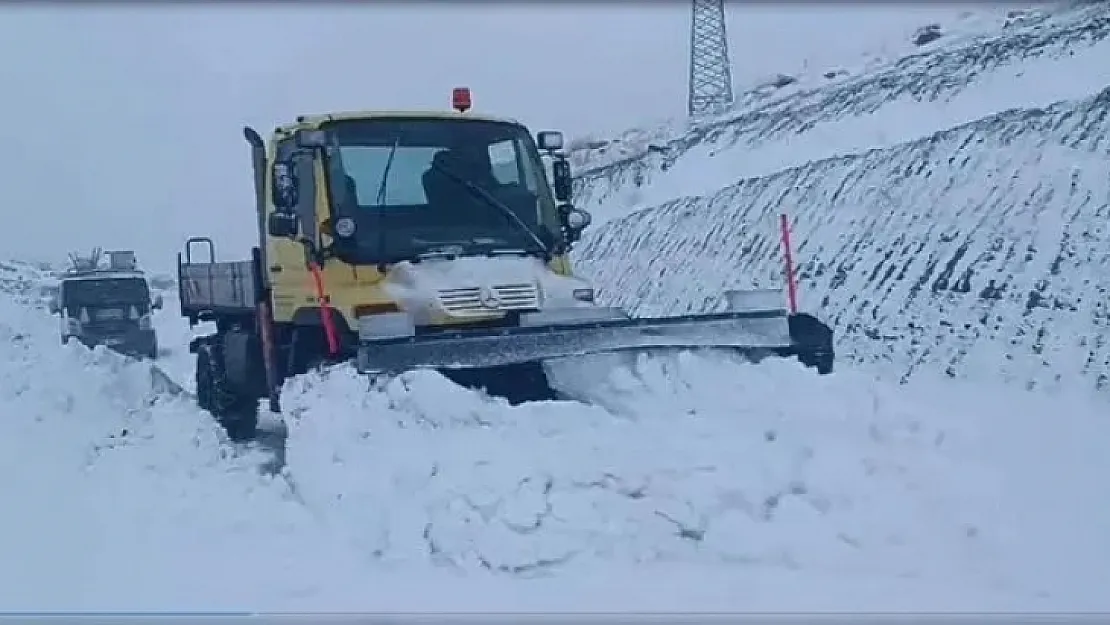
x,y
488,299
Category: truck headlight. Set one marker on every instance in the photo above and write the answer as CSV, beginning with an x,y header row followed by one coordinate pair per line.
x,y
344,227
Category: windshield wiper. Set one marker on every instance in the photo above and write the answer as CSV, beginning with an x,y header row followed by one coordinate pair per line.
x,y
495,203
380,198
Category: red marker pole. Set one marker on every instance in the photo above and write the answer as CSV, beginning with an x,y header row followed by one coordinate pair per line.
x,y
788,261
325,309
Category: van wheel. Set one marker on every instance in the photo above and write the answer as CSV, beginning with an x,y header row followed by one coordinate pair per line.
x,y
235,411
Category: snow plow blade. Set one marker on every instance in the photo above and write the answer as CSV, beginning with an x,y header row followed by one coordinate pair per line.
x,y
582,331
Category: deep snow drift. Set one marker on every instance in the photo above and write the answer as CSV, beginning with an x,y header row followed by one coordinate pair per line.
x,y
709,484
119,500
811,488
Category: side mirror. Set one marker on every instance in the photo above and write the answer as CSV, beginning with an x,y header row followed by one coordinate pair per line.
x,y
156,304
560,172
282,224
284,187
550,140
54,305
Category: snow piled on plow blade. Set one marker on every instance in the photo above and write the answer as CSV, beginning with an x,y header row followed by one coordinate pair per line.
x,y
501,346
696,463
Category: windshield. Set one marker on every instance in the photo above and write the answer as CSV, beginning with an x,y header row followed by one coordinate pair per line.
x,y
405,183
105,292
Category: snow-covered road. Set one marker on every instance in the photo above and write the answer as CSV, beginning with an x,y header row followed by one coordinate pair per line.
x,y
697,484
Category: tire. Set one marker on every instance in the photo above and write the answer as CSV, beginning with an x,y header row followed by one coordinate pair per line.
x,y
235,411
204,380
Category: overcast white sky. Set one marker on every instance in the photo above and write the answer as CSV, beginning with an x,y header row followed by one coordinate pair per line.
x,y
122,124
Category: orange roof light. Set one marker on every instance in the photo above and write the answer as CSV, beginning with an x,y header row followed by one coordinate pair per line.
x,y
460,99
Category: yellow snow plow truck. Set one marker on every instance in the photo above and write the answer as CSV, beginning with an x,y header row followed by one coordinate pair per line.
x,y
408,240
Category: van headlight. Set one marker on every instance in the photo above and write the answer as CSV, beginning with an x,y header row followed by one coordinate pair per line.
x,y
583,295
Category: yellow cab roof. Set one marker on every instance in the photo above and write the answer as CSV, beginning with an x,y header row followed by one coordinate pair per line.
x,y
312,122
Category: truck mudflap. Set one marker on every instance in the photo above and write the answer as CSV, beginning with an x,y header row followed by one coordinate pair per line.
x,y
579,332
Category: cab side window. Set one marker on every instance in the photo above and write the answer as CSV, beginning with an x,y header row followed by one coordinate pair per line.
x,y
306,201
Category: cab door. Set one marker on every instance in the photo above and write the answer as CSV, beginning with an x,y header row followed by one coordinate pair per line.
x,y
289,279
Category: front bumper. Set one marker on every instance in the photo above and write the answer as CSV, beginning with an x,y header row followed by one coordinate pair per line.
x,y
131,342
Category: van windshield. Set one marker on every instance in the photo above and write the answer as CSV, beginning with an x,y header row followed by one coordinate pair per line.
x,y
105,292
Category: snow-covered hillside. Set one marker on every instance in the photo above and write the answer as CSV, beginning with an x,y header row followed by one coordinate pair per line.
x,y
809,51
1053,56
980,247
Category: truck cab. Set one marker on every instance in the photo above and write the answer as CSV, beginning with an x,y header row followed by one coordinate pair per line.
x,y
446,216
377,199
110,306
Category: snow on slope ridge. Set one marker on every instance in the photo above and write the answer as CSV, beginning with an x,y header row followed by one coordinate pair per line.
x,y
24,282
984,246
1059,58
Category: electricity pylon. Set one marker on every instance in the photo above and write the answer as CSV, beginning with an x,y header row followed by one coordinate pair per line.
x,y
710,79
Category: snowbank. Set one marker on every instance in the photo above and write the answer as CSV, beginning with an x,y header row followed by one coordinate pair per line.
x,y
708,467
119,500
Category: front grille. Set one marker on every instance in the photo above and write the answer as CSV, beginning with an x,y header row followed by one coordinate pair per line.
x,y
468,302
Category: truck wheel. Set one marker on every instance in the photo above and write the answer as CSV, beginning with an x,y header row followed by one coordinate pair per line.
x,y
308,351
235,411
